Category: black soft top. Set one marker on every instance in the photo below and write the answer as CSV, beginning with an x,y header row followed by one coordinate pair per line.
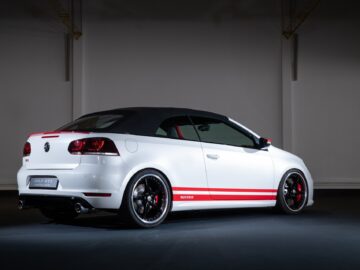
x,y
146,120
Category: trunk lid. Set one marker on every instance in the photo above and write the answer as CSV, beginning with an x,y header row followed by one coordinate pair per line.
x,y
49,150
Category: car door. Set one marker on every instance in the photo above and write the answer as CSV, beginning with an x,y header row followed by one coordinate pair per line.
x,y
182,153
236,169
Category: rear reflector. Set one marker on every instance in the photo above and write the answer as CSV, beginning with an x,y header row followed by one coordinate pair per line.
x,y
93,146
91,194
27,149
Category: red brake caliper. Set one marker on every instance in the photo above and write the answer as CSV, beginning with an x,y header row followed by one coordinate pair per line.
x,y
299,189
156,199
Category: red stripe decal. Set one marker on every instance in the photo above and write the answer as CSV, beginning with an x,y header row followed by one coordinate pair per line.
x,y
65,131
222,197
223,189
191,197
58,132
50,136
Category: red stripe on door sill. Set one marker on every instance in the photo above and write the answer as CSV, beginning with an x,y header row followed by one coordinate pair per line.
x,y
223,189
178,197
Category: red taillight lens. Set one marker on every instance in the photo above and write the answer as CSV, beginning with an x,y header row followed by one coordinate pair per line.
x,y
76,146
27,149
93,146
96,145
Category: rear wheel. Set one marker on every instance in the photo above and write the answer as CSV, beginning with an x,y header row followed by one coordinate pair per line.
x,y
293,193
147,199
59,215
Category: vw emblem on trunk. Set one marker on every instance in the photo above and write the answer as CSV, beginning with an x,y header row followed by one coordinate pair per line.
x,y
47,147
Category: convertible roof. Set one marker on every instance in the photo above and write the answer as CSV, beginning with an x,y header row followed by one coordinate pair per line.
x,y
146,120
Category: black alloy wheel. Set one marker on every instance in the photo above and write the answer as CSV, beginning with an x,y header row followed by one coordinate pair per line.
x,y
293,192
148,198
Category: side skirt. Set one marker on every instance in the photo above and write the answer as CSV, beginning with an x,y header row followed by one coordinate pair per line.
x,y
202,205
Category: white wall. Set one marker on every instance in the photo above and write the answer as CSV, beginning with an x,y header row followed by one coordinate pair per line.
x,y
231,68
327,95
207,55
34,93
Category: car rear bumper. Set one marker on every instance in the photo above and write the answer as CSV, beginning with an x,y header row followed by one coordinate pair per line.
x,y
98,183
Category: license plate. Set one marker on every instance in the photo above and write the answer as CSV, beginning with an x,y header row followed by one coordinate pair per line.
x,y
43,183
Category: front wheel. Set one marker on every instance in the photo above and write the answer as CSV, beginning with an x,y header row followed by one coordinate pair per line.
x,y
147,199
292,194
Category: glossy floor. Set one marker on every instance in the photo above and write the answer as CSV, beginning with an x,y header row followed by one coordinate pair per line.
x,y
327,236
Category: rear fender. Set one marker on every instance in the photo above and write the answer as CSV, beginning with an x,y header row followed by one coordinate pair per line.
x,y
142,167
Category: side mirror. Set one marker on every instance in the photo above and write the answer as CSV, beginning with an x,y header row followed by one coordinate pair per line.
x,y
264,143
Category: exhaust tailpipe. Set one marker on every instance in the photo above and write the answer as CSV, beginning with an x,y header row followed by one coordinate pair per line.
x,y
21,205
79,209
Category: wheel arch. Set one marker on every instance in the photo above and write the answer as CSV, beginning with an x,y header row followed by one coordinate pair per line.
x,y
135,171
283,164
286,172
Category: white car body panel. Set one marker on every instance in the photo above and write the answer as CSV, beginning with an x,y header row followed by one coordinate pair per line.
x,y
244,167
58,158
239,177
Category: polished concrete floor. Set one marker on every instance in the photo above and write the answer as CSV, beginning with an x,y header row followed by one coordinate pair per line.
x,y
326,236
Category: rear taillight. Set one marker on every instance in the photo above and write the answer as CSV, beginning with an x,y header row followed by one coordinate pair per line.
x,y
93,146
27,149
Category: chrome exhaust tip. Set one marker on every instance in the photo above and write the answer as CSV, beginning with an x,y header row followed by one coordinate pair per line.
x,y
21,205
79,209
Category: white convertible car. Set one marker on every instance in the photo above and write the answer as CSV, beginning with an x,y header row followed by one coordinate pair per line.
x,y
145,162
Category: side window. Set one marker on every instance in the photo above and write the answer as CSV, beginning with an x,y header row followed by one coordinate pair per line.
x,y
177,128
216,131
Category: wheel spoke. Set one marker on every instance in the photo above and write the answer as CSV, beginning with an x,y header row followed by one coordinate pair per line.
x,y
290,202
294,192
138,192
290,182
146,184
147,209
150,198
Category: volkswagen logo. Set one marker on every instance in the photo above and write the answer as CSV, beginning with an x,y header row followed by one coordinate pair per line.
x,y
47,147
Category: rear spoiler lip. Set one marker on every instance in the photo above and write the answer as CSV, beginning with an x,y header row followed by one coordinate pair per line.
x,y
54,134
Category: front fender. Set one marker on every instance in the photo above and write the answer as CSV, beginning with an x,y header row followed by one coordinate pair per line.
x,y
283,162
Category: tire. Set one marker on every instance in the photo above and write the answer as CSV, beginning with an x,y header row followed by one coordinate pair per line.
x,y
59,215
292,196
147,199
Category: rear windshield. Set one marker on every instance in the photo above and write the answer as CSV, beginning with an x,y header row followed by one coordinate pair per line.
x,y
102,122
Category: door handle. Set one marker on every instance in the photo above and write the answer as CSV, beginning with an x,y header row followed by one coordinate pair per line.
x,y
212,156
